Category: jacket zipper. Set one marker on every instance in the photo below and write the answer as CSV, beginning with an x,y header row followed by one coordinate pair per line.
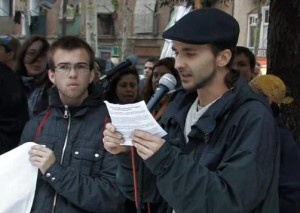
x,y
66,116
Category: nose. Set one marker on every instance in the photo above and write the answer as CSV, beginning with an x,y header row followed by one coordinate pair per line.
x,y
178,63
72,73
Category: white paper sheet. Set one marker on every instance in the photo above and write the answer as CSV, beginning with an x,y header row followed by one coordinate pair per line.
x,y
17,180
129,117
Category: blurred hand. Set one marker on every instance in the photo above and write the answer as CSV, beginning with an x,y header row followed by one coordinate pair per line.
x,y
41,157
112,140
146,144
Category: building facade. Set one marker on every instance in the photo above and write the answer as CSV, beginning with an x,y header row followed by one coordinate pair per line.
x,y
118,28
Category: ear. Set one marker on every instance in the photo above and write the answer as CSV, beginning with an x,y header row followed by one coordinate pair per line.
x,y
223,58
92,75
51,75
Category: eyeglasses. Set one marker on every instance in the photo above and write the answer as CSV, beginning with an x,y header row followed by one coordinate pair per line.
x,y
79,67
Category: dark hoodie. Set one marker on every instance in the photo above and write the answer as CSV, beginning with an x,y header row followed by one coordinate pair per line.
x,y
13,109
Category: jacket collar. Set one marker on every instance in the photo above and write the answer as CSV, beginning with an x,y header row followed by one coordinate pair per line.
x,y
179,107
94,99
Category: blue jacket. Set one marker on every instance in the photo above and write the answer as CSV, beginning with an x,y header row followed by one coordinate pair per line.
x,y
231,163
83,177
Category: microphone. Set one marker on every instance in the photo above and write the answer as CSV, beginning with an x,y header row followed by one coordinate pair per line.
x,y
130,60
166,83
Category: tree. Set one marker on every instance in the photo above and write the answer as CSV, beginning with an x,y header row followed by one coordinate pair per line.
x,y
284,53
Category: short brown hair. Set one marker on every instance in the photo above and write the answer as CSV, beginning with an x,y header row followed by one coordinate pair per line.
x,y
70,43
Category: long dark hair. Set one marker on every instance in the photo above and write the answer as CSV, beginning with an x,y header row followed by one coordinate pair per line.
x,y
21,69
110,94
169,63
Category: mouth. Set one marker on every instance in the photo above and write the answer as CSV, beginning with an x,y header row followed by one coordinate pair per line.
x,y
73,85
37,67
128,96
185,75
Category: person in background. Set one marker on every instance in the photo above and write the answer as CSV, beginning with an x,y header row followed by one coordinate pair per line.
x,y
13,102
124,87
221,153
274,90
10,47
163,66
244,62
76,173
257,70
100,65
32,67
148,68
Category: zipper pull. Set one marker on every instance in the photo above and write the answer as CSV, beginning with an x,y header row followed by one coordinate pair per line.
x,y
66,113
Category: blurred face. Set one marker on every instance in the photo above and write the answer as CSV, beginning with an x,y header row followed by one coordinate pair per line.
x,y
195,64
4,56
97,72
148,68
242,64
158,72
72,85
127,89
39,64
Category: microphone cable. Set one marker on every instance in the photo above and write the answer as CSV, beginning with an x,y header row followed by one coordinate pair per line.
x,y
138,185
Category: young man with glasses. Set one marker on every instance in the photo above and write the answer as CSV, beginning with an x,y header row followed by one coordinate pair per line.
x,y
76,173
13,103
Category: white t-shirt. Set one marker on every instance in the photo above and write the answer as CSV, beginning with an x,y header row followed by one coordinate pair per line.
x,y
193,116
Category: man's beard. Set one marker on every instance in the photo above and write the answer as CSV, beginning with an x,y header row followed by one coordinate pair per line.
x,y
207,80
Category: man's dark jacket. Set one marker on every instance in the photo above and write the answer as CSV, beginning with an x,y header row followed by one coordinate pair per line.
x,y
230,165
83,177
13,109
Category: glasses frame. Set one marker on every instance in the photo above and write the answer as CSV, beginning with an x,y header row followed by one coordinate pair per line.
x,y
74,66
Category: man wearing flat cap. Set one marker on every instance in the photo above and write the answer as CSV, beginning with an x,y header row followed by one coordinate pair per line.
x,y
221,151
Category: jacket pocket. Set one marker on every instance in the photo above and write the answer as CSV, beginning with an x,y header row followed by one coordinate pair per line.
x,y
87,159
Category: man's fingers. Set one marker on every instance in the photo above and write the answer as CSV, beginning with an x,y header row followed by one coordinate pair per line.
x,y
110,127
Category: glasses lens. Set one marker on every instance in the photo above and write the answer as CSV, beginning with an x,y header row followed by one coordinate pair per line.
x,y
82,67
63,68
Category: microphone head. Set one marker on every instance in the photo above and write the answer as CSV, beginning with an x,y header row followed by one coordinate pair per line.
x,y
168,80
133,59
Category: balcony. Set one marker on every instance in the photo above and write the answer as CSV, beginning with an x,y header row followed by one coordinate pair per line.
x,y
72,26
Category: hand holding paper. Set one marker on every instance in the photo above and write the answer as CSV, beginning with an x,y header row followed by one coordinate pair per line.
x,y
129,117
42,157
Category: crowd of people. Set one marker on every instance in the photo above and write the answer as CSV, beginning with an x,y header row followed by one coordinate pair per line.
x,y
227,149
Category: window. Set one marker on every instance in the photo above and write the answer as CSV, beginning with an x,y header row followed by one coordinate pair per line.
x,y
105,17
252,30
105,24
6,8
263,34
264,27
34,7
145,20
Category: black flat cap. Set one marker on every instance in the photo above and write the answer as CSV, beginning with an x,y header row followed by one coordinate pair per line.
x,y
205,26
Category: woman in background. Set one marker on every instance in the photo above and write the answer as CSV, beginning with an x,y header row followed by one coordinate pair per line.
x,y
124,87
163,66
32,67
